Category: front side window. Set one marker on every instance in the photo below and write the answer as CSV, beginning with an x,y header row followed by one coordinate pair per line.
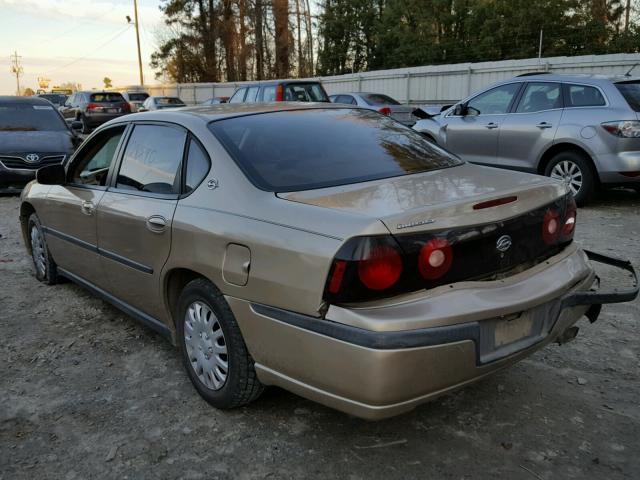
x,y
152,159
91,164
197,166
281,151
495,101
585,96
252,94
539,96
238,97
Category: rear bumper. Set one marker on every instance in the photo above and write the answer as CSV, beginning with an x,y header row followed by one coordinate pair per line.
x,y
377,374
611,165
97,119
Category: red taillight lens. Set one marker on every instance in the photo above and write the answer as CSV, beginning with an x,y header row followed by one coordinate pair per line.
x,y
126,107
337,275
436,257
279,94
381,269
570,218
385,111
551,226
92,106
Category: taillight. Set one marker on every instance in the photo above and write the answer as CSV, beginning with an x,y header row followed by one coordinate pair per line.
x,y
126,107
435,259
570,215
385,111
92,106
381,268
279,94
551,226
624,128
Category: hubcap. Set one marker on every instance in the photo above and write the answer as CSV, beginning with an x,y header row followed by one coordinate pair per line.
x,y
37,250
206,346
569,172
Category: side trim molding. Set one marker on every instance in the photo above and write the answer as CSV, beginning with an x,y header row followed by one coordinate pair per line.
x,y
148,320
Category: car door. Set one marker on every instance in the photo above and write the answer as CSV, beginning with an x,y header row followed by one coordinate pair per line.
x,y
531,127
135,215
69,210
67,109
471,129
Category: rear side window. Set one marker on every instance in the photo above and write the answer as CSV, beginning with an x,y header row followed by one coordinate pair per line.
x,y
269,94
282,152
252,93
305,92
584,96
346,99
197,166
238,97
152,159
106,97
540,96
379,99
631,93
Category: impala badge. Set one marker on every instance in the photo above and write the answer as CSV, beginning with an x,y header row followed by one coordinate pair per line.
x,y
504,243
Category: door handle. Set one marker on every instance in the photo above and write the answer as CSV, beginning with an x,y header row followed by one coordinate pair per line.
x,y
544,125
491,125
87,207
156,223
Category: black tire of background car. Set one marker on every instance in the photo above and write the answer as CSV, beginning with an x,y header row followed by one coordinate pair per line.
x,y
50,276
589,179
85,127
242,385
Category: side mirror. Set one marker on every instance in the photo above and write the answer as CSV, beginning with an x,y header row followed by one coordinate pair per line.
x,y
51,175
76,126
445,107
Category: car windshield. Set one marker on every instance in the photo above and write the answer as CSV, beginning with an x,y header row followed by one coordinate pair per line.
x,y
379,99
631,92
106,97
138,97
305,149
305,92
169,101
16,116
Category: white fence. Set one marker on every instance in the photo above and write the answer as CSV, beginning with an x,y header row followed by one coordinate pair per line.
x,y
436,84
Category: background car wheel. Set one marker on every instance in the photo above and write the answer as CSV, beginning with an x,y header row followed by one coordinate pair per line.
x,y
576,170
85,126
46,270
213,350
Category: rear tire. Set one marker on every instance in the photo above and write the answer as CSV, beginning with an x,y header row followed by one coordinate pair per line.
x,y
577,171
212,348
46,268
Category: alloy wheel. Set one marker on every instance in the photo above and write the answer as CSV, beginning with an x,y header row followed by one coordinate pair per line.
x,y
205,345
569,172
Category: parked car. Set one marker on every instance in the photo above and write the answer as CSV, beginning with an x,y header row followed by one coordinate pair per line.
x,y
281,91
161,103
215,101
32,135
379,102
92,109
135,99
57,99
584,130
324,249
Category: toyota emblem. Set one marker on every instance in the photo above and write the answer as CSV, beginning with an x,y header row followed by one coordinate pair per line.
x,y
504,243
32,158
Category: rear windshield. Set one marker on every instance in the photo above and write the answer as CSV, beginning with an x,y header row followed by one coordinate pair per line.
x,y
106,97
169,101
305,92
379,99
631,92
304,149
138,97
54,98
30,118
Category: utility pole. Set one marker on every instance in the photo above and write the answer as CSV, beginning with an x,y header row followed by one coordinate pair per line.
x,y
135,15
540,47
16,69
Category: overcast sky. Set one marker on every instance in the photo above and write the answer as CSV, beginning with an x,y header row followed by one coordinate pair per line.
x,y
79,41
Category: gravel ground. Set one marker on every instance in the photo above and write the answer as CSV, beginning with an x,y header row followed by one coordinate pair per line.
x,y
87,392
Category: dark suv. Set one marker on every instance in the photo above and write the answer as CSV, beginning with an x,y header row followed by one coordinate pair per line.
x,y
281,91
94,108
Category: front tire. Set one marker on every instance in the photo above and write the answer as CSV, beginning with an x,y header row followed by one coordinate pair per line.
x,y
212,348
46,269
577,172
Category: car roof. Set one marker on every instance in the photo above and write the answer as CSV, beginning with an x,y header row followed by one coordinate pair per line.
x,y
208,113
593,78
33,100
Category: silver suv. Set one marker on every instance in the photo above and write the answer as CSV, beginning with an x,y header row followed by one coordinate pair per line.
x,y
582,129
